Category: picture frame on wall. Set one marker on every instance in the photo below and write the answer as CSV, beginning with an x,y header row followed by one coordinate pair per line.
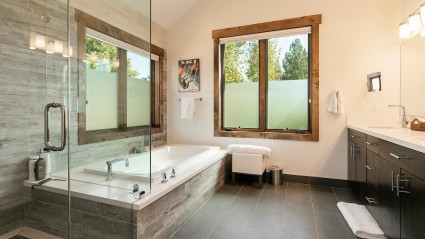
x,y
189,75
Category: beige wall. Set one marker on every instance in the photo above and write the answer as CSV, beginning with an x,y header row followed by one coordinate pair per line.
x,y
408,7
356,38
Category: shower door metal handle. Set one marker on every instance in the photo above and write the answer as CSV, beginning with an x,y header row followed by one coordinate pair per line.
x,y
49,146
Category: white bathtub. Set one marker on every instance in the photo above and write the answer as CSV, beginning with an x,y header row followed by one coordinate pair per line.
x,y
163,159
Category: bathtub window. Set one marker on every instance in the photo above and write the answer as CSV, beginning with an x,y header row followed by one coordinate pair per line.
x,y
121,83
267,80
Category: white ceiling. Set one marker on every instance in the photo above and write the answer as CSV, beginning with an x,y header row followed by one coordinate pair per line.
x,y
167,12
164,12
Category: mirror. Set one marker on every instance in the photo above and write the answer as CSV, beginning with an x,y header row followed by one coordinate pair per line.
x,y
413,75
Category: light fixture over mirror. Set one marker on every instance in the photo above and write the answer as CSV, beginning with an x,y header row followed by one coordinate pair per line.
x,y
374,82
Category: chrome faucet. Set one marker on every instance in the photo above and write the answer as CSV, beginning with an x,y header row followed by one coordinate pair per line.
x,y
164,177
109,163
404,121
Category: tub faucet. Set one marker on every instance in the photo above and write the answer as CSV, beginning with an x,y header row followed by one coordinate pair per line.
x,y
110,162
404,121
164,177
173,173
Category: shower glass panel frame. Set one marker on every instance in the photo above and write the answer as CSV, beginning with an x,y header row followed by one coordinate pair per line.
x,y
40,66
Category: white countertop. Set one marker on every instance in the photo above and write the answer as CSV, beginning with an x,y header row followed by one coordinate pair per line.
x,y
402,136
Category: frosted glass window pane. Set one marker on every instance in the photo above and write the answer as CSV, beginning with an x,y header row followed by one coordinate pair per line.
x,y
102,85
138,90
288,88
241,89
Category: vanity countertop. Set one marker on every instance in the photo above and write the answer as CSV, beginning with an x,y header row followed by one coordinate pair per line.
x,y
402,136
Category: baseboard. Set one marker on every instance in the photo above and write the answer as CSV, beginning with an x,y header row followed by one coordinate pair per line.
x,y
327,182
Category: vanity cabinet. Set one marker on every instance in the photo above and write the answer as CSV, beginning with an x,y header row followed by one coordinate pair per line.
x,y
357,162
394,186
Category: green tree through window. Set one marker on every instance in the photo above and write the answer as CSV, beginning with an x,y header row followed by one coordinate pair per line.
x,y
295,62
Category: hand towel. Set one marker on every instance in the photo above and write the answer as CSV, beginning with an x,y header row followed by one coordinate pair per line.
x,y
188,107
360,221
336,103
248,149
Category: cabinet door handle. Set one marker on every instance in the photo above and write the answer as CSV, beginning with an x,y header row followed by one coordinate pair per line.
x,y
399,156
370,168
369,143
392,181
353,137
371,200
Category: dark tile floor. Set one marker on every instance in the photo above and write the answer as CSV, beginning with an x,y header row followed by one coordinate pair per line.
x,y
295,211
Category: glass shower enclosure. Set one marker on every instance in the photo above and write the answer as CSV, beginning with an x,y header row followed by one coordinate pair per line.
x,y
75,98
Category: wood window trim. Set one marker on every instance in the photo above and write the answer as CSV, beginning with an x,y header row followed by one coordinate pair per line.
x,y
84,21
312,21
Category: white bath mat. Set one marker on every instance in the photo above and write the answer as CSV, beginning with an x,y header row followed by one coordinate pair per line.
x,y
360,221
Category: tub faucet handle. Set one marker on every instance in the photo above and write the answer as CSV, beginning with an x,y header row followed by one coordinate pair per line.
x,y
173,173
164,177
135,188
139,195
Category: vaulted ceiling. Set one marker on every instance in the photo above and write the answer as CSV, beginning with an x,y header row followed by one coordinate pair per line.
x,y
164,12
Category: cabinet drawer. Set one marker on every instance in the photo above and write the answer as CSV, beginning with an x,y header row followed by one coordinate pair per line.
x,y
372,144
406,158
357,137
372,167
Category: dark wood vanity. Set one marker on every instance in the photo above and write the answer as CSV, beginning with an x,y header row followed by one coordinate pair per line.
x,y
390,180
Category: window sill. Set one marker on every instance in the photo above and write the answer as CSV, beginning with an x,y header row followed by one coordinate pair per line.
x,y
308,136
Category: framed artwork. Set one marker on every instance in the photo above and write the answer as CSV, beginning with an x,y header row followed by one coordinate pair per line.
x,y
189,80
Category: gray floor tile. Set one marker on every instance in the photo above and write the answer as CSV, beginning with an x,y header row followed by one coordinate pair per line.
x,y
221,200
272,201
345,195
250,192
332,225
298,192
240,212
197,227
226,230
298,232
233,188
276,188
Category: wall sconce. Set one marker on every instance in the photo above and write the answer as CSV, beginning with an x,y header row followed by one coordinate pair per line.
x,y
414,24
374,82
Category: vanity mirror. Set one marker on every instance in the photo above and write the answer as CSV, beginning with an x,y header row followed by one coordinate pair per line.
x,y
413,75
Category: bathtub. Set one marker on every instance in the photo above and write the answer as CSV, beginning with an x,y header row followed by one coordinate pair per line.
x,y
162,159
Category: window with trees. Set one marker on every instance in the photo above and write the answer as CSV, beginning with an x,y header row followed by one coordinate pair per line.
x,y
120,83
266,80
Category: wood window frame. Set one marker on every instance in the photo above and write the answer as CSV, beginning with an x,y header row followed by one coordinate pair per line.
x,y
84,21
312,21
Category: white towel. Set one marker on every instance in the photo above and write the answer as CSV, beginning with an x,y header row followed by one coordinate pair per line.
x,y
188,107
420,120
360,221
336,103
249,149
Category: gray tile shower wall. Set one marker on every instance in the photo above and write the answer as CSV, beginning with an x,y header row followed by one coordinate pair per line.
x,y
29,79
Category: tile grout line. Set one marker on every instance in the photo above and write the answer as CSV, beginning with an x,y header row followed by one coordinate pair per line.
x,y
221,217
314,214
337,199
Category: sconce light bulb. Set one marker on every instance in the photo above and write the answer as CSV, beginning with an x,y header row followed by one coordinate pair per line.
x,y
422,12
40,41
58,46
33,37
404,31
50,49
415,22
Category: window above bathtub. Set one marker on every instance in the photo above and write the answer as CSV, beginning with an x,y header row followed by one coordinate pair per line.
x,y
267,80
120,83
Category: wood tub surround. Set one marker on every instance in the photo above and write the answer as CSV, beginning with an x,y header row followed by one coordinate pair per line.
x,y
262,132
390,179
84,21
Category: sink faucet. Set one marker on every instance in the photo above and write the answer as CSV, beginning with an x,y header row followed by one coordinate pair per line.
x,y
404,120
109,163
